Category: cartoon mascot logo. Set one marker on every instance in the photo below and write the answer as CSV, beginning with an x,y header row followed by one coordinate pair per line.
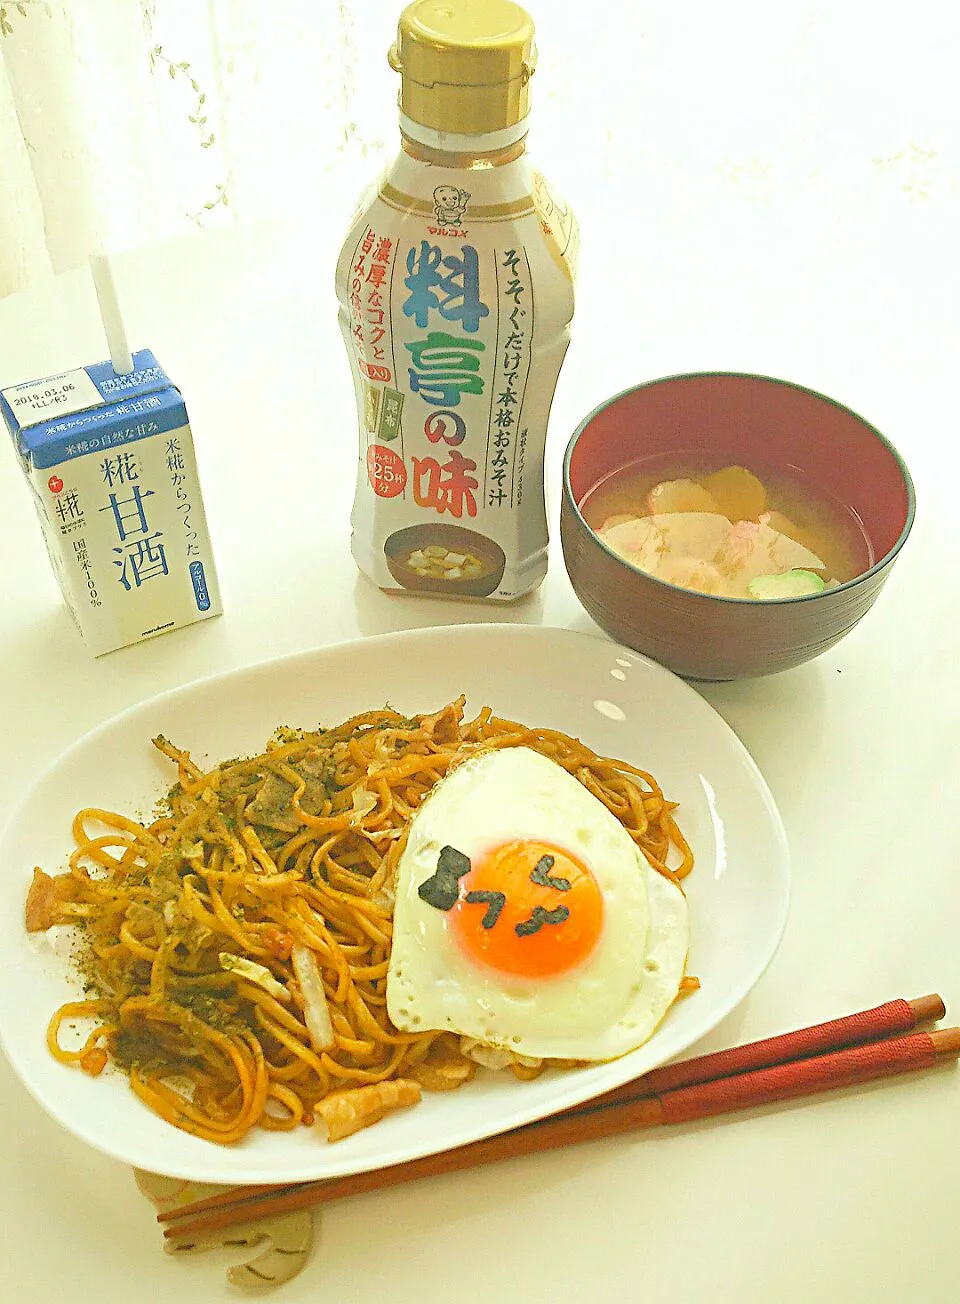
x,y
450,204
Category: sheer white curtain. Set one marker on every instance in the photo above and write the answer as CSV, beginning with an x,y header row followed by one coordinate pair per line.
x,y
125,121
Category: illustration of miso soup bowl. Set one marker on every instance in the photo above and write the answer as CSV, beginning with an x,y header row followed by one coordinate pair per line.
x,y
455,541
724,418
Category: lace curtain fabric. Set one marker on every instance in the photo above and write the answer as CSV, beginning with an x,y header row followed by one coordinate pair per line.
x,y
127,121
123,122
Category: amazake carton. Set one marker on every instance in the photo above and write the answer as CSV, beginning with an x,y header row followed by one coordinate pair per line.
x,y
110,462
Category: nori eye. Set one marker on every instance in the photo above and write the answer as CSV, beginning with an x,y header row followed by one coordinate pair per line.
x,y
442,888
452,862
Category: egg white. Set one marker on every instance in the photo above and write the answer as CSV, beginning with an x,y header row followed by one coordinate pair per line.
x,y
612,1001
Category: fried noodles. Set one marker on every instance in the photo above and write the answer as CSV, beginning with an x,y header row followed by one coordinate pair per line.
x,y
235,950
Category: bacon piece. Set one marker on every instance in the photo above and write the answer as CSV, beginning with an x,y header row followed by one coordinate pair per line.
x,y
444,726
278,942
45,899
94,1061
346,1112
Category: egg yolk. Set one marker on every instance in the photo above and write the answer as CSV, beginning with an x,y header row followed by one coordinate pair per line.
x,y
528,909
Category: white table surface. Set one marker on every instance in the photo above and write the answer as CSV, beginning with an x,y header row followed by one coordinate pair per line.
x,y
852,1197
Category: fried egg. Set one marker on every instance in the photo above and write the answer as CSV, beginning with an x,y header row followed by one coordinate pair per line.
x,y
527,919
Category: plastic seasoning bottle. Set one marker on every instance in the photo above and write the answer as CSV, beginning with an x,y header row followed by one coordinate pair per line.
x,y
455,286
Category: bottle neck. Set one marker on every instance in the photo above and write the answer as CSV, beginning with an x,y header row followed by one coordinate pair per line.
x,y
451,150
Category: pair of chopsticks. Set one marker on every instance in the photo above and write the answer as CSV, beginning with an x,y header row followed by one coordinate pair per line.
x,y
844,1052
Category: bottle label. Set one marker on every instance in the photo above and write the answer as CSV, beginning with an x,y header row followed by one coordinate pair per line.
x,y
447,303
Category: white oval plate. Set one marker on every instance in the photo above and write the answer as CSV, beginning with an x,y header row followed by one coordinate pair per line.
x,y
618,702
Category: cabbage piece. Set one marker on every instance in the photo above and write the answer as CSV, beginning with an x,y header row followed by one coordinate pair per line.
x,y
254,973
316,1012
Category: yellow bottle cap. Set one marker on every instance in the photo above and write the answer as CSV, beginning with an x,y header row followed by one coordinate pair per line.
x,y
465,64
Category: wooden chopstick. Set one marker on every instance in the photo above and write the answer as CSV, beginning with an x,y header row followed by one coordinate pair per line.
x,y
887,1020
848,1067
778,1068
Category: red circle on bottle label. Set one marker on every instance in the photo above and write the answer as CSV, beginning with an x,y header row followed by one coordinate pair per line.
x,y
54,484
385,471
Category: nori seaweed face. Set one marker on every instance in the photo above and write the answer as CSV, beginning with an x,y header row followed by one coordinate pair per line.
x,y
442,888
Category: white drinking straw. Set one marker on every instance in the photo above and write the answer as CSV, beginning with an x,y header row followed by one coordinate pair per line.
x,y
110,314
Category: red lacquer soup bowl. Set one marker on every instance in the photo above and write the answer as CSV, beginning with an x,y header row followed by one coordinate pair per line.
x,y
774,429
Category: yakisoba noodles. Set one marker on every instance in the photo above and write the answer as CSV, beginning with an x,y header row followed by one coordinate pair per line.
x,y
235,950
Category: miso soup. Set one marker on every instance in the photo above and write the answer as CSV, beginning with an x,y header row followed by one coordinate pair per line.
x,y
727,529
